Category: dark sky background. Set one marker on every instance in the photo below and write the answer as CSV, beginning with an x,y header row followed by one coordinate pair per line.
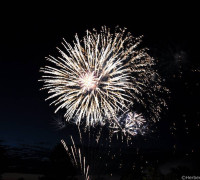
x,y
30,33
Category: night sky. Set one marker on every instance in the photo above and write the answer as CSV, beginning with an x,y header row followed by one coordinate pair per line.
x,y
29,34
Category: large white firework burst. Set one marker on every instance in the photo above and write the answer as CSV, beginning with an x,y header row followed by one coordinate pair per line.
x,y
101,75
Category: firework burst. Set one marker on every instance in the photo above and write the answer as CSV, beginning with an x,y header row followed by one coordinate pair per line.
x,y
129,124
101,75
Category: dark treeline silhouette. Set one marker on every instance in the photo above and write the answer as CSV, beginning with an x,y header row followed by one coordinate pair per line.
x,y
3,159
57,165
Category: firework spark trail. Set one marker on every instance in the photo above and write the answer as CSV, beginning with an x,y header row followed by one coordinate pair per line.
x,y
79,131
73,144
77,158
84,165
102,75
87,177
67,150
79,152
74,155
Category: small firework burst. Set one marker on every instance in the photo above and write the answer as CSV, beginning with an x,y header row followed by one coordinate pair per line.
x,y
102,75
59,122
129,124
